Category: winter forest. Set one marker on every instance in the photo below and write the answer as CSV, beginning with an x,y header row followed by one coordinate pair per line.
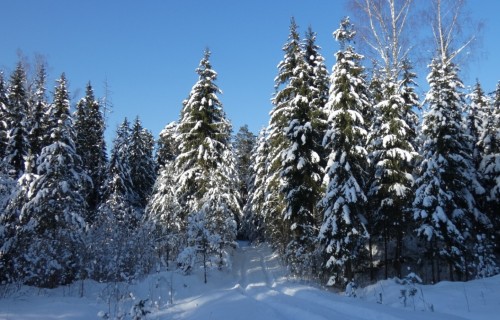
x,y
356,177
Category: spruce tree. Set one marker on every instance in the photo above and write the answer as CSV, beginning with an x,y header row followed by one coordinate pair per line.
x,y
163,212
253,222
393,156
318,85
274,206
53,218
11,251
445,211
18,142
142,164
118,233
37,117
343,229
489,167
167,149
91,146
301,173
477,113
4,125
206,162
244,143
119,196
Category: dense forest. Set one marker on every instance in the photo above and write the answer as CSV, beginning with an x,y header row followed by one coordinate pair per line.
x,y
355,177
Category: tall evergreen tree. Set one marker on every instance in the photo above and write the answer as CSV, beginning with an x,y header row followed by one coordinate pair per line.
x,y
393,156
446,212
53,218
142,164
163,212
244,143
18,142
206,161
253,222
301,173
343,230
11,251
167,149
477,113
119,188
489,167
37,117
274,205
91,145
4,125
118,233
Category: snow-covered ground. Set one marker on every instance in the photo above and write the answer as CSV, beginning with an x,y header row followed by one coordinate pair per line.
x,y
255,288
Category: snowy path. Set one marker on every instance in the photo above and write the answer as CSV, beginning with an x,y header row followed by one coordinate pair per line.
x,y
258,290
255,289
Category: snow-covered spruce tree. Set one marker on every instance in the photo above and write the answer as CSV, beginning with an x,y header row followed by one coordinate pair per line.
x,y
117,237
477,112
319,85
37,117
142,163
445,211
167,149
392,151
277,228
489,167
3,117
52,221
163,213
11,251
205,159
253,221
16,117
119,187
301,171
91,146
244,143
211,230
343,232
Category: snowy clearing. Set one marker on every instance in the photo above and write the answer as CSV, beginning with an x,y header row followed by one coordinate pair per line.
x,y
255,288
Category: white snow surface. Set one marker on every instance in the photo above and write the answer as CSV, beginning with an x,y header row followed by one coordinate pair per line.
x,y
257,287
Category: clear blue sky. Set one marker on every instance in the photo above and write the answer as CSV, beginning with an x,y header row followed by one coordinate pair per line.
x,y
148,50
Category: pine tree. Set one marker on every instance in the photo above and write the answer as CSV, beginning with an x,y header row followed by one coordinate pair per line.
x,y
206,161
445,208
142,164
91,146
343,230
53,218
18,142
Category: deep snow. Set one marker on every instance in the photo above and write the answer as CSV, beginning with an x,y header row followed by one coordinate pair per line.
x,y
256,287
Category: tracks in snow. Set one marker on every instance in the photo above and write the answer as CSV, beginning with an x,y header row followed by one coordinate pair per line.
x,y
258,289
